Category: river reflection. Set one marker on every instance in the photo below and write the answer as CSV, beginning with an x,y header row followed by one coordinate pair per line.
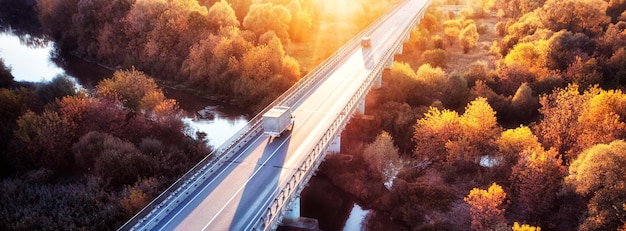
x,y
28,62
35,61
334,209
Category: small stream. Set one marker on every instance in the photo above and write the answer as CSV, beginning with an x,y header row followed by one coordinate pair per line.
x,y
33,60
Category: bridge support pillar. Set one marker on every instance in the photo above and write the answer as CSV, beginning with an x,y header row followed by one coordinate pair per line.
x,y
378,82
293,221
389,63
293,212
399,50
335,145
361,107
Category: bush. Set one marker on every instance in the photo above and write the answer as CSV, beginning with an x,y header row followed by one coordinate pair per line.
x,y
435,57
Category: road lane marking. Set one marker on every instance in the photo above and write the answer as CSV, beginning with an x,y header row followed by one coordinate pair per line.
x,y
247,181
307,116
208,184
334,106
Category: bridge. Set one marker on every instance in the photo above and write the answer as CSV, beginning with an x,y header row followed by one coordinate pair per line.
x,y
253,181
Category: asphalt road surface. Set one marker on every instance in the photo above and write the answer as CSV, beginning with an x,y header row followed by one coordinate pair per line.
x,y
237,194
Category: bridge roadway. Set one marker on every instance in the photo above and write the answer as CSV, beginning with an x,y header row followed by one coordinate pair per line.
x,y
241,190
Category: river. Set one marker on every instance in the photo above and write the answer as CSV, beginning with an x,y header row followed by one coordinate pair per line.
x,y
33,60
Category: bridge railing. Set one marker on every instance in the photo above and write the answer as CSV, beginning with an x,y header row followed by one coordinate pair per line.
x,y
180,189
284,195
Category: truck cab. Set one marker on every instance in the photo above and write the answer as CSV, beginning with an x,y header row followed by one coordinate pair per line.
x,y
366,42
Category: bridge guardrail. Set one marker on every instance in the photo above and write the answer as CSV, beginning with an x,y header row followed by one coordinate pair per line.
x,y
176,193
274,212
180,188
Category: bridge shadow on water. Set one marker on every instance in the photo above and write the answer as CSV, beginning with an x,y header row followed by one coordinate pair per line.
x,y
262,184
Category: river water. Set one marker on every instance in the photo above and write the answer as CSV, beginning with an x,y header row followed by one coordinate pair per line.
x,y
33,60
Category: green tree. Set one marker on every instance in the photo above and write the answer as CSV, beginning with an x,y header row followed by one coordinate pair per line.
x,y
564,48
585,74
120,162
477,71
59,87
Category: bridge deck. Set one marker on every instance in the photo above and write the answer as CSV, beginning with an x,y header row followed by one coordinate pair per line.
x,y
237,194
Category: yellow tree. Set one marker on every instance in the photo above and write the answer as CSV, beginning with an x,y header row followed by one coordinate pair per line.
x,y
602,118
598,174
531,55
486,207
482,7
433,131
433,77
512,142
451,30
264,17
479,129
524,227
573,122
468,37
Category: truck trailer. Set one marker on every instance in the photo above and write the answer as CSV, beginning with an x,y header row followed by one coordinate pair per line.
x,y
277,120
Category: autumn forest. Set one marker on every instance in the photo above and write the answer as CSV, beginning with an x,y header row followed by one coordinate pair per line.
x,y
499,114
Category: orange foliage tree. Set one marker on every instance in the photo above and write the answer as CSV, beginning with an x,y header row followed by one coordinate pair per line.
x,y
486,207
433,132
265,17
536,180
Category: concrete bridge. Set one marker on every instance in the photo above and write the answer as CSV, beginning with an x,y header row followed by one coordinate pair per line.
x,y
253,181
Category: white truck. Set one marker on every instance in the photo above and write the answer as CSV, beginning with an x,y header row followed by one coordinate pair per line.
x,y
277,120
366,42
